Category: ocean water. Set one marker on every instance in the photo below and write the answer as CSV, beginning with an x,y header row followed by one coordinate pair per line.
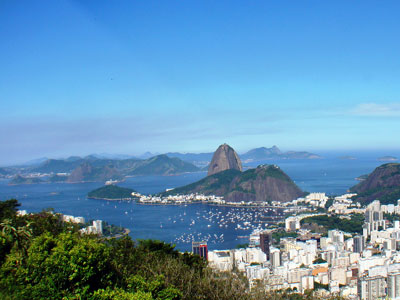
x,y
182,224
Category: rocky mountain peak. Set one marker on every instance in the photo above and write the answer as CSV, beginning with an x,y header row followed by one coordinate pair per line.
x,y
275,150
224,158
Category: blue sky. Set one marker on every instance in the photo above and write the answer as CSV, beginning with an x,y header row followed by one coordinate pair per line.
x,y
80,77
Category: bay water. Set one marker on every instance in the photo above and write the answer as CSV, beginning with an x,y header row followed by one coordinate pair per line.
x,y
222,227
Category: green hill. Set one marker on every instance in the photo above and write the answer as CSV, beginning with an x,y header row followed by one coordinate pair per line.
x,y
58,166
88,172
265,183
111,192
92,168
383,184
217,184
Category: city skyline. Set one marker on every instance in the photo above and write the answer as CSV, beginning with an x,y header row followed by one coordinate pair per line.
x,y
81,78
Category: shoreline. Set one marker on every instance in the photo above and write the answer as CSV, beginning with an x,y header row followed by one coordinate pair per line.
x,y
109,199
212,204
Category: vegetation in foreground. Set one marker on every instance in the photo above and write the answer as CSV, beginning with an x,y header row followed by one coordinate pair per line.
x,y
42,257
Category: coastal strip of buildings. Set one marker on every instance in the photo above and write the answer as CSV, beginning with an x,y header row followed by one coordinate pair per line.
x,y
95,228
311,200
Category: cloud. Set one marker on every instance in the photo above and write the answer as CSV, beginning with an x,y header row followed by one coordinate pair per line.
x,y
377,110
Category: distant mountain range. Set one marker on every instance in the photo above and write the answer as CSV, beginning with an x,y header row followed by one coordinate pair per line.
x,y
198,159
253,155
35,162
383,184
162,165
91,168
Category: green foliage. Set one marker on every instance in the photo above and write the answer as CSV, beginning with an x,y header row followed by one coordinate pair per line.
x,y
241,246
391,217
319,260
120,294
110,229
318,285
248,175
264,171
8,208
277,235
275,172
111,192
354,225
386,195
47,222
209,184
329,203
56,267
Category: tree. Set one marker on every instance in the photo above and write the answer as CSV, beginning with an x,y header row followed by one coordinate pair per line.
x,y
57,267
8,209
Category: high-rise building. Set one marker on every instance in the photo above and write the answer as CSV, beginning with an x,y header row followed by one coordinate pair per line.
x,y
292,224
374,217
275,257
98,226
393,284
371,288
336,236
265,242
201,249
358,244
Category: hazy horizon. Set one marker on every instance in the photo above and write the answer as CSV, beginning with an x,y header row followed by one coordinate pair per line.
x,y
100,77
358,153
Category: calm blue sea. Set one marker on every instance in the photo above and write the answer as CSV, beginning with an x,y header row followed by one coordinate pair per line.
x,y
181,224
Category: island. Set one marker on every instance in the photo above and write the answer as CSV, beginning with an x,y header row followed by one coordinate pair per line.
x,y
387,158
263,153
347,157
112,192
